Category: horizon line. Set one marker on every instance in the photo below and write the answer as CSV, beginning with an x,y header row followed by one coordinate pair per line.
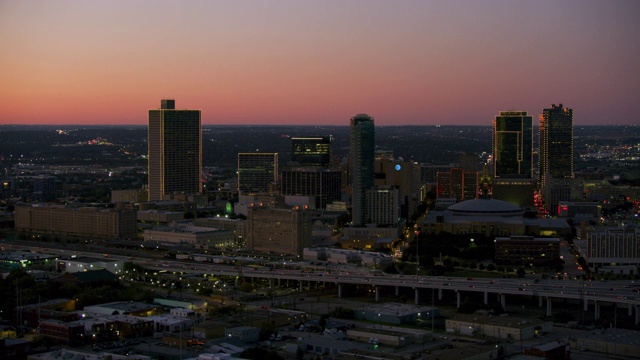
x,y
299,125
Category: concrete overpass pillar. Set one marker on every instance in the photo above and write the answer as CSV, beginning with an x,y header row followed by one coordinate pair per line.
x,y
548,306
597,309
637,314
585,305
486,298
377,293
503,302
300,285
439,294
416,296
539,301
630,309
339,290
458,299
397,290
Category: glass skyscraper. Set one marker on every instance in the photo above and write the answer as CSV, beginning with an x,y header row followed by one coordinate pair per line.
x,y
175,151
556,144
512,143
362,156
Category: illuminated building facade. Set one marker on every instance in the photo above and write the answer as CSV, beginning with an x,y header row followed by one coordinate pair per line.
x,y
512,143
362,156
556,144
256,172
312,151
175,151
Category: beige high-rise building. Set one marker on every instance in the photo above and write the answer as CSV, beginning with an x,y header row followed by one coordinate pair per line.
x,y
276,230
90,222
175,151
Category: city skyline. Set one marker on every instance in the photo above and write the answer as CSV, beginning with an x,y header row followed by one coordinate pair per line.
x,y
317,63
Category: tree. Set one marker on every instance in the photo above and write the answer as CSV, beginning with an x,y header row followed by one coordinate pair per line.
x,y
521,272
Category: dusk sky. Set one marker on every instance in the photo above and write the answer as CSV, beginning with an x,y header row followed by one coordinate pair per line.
x,y
318,62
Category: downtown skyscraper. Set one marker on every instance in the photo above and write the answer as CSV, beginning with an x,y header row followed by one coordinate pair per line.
x,y
512,147
175,151
362,157
512,143
556,144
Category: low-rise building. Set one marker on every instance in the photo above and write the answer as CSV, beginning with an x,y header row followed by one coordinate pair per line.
x,y
88,222
133,326
499,327
607,342
248,334
607,246
81,264
552,350
397,313
186,304
122,307
342,256
66,332
579,211
527,249
190,236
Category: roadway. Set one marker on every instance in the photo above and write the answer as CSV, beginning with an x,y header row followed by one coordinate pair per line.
x,y
620,292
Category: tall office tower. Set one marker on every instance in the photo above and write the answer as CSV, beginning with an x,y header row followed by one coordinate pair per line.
x,y
362,154
512,143
175,151
257,172
323,184
313,151
556,144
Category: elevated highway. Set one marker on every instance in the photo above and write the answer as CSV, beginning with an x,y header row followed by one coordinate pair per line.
x,y
591,294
